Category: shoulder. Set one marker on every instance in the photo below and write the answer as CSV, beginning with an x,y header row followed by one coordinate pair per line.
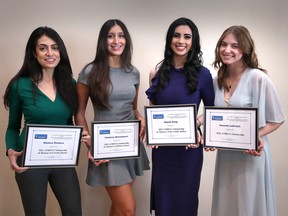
x,y
19,85
22,82
152,74
85,73
204,73
135,70
86,70
257,75
136,74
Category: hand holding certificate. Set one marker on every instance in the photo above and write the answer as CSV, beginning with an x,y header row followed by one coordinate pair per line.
x,y
51,145
171,124
115,140
231,128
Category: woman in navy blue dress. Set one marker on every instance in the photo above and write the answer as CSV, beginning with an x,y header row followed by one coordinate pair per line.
x,y
179,79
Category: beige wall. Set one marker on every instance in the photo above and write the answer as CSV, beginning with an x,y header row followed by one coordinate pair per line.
x,y
78,23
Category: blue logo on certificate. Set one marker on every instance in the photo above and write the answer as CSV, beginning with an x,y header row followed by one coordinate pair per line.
x,y
217,118
158,116
104,131
40,136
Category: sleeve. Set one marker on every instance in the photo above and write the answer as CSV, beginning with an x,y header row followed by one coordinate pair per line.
x,y
152,90
137,77
266,99
84,74
15,117
207,89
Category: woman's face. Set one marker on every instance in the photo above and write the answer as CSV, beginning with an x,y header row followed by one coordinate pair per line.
x,y
116,41
47,52
230,51
182,40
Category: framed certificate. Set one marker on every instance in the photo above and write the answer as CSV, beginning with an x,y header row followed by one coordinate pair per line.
x,y
115,140
171,124
231,128
51,145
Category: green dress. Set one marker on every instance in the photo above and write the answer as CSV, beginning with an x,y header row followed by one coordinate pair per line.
x,y
36,108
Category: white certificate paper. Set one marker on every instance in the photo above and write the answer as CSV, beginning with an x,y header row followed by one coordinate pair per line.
x,y
51,145
231,128
171,124
115,140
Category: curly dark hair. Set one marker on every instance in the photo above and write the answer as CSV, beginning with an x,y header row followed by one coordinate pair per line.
x,y
193,62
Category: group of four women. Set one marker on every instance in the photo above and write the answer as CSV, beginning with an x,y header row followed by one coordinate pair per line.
x,y
44,92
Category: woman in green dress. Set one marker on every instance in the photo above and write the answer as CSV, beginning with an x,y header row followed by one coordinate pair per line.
x,y
42,92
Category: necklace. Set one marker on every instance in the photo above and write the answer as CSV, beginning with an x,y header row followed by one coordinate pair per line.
x,y
231,82
230,85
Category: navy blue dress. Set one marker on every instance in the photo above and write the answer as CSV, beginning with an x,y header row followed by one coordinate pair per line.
x,y
176,172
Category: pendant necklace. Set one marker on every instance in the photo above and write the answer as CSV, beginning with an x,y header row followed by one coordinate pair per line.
x,y
230,85
236,80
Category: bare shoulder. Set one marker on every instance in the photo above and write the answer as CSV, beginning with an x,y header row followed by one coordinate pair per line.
x,y
152,74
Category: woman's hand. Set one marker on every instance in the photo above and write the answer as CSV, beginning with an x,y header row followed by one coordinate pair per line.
x,y
199,141
96,163
142,130
153,147
12,156
209,149
86,138
259,150
149,146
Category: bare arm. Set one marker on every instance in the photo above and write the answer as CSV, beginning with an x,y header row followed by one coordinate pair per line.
x,y
269,128
83,96
151,75
138,116
80,119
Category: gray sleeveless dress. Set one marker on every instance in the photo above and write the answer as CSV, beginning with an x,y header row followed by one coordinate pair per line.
x,y
122,171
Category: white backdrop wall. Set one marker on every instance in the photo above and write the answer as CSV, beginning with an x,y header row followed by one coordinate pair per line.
x,y
78,22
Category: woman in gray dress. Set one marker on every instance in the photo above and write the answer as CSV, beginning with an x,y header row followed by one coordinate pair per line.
x,y
112,83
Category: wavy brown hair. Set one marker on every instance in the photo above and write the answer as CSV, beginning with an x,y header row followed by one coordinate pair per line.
x,y
247,46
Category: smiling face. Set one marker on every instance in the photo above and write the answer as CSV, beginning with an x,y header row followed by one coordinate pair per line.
x,y
116,41
47,52
229,50
181,42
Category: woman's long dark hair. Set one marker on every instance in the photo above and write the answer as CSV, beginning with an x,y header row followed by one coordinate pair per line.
x,y
99,81
62,75
194,58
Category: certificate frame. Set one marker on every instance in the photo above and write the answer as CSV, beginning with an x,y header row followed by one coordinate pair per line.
x,y
51,146
231,128
171,125
112,140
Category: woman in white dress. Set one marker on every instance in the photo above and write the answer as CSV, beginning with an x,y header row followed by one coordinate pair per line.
x,y
244,181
